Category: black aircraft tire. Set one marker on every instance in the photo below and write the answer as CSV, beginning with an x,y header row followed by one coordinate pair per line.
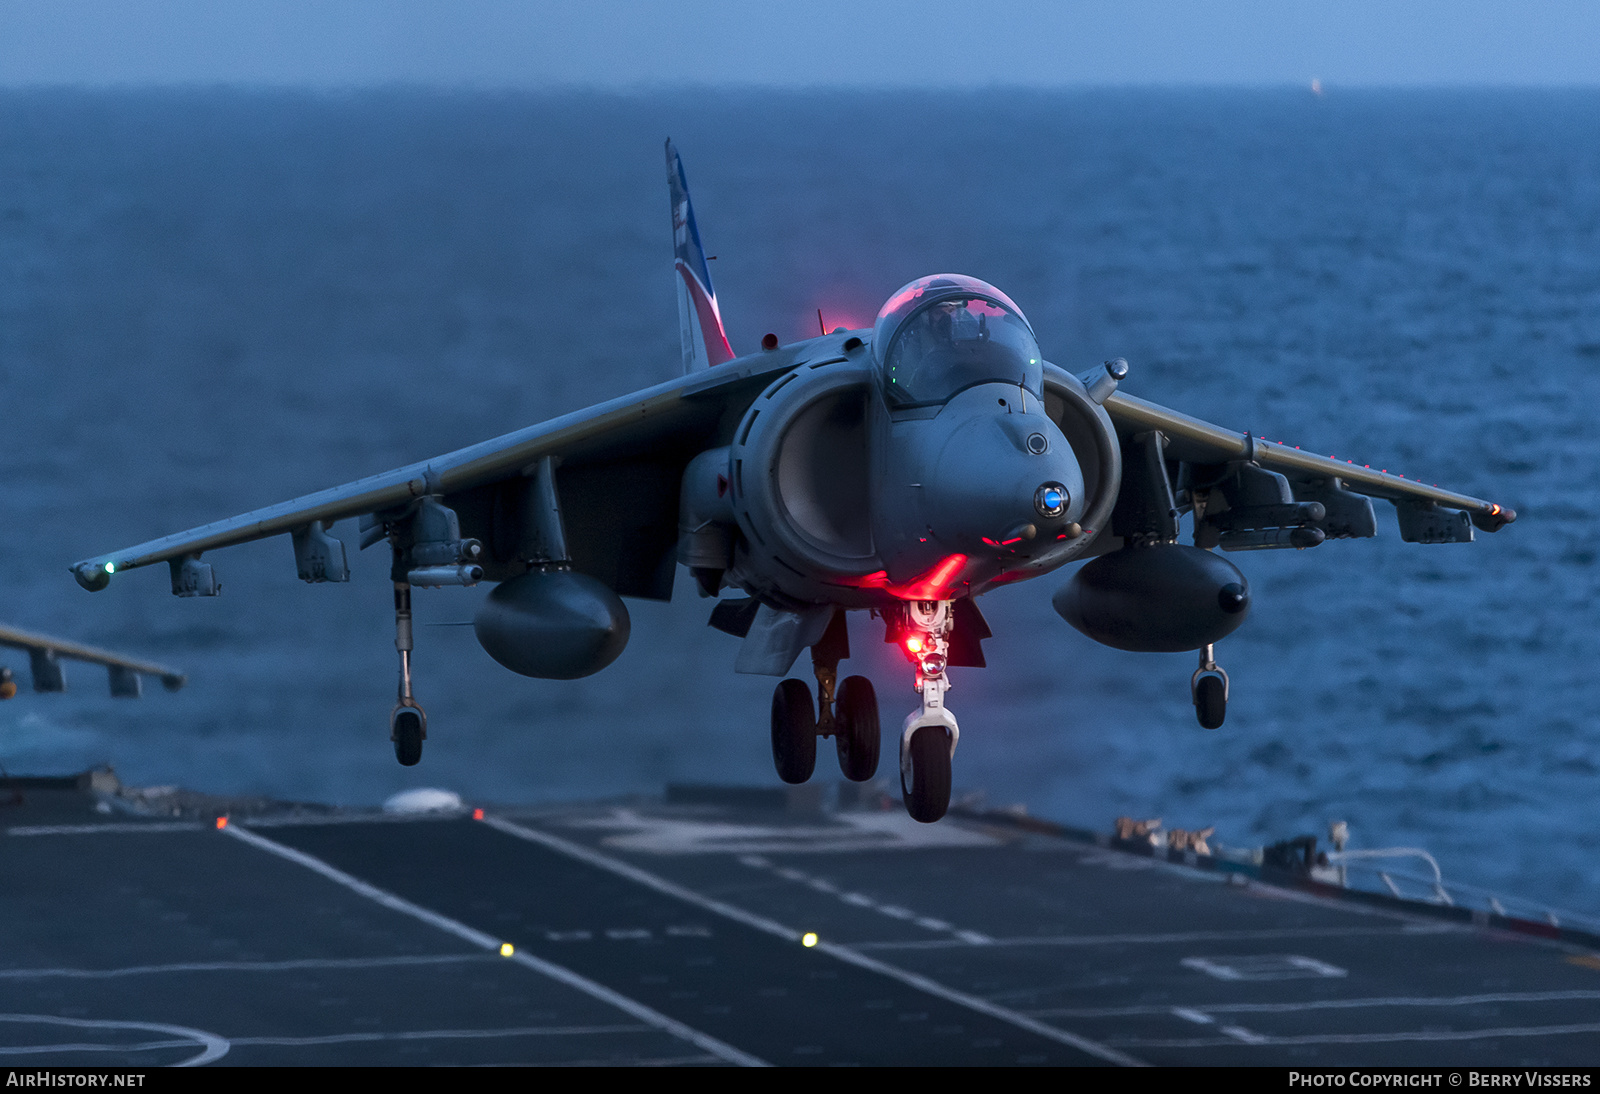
x,y
794,731
1210,702
408,738
858,736
928,796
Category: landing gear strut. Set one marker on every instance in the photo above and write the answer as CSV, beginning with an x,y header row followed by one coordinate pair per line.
x,y
408,724
1209,689
928,739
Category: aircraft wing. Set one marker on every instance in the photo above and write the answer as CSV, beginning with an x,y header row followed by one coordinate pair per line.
x,y
1266,488
45,654
620,467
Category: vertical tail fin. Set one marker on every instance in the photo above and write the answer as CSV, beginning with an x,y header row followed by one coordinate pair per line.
x,y
699,320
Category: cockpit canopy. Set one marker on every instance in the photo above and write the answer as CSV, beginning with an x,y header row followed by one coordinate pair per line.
x,y
944,333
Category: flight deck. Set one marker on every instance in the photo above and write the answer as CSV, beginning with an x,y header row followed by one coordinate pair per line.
x,y
716,926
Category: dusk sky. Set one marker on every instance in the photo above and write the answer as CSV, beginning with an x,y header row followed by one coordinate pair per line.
x,y
811,43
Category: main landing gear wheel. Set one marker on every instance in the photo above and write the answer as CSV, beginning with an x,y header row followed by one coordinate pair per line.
x,y
856,729
794,731
407,730
928,796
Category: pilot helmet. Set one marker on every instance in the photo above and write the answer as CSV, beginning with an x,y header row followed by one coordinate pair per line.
x,y
944,333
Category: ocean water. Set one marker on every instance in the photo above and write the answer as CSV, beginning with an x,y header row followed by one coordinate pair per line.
x,y
212,300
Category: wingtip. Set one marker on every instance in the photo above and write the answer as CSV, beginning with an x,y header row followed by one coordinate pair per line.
x,y
93,575
1494,518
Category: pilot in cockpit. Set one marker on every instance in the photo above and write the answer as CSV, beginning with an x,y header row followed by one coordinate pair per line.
x,y
948,345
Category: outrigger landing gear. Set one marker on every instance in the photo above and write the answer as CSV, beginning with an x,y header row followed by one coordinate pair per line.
x,y
408,724
848,713
928,739
1209,689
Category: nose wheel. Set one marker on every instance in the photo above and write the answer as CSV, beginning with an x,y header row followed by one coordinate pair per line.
x,y
928,738
925,773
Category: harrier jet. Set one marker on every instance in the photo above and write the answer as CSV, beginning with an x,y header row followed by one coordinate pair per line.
x,y
901,471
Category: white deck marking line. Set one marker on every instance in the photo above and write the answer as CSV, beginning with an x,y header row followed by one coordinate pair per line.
x,y
210,1045
648,1061
1327,1004
861,900
91,1046
483,941
98,829
1142,939
1249,1037
245,966
441,1035
1367,1038
832,949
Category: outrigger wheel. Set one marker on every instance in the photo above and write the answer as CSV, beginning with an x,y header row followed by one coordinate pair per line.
x,y
856,731
408,727
1209,690
794,731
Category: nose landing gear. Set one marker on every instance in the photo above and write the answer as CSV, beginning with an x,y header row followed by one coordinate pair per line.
x,y
1209,689
928,739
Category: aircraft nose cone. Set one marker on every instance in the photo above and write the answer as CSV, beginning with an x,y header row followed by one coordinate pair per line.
x,y
992,490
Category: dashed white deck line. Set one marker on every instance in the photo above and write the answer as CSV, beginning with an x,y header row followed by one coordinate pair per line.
x,y
245,966
1246,1036
1326,1004
1421,1035
1264,967
861,900
483,941
441,1035
649,1061
1135,939
832,949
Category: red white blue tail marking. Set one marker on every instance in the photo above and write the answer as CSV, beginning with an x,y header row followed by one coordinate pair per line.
x,y
699,320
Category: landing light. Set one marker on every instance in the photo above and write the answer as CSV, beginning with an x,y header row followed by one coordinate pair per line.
x,y
809,939
506,949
